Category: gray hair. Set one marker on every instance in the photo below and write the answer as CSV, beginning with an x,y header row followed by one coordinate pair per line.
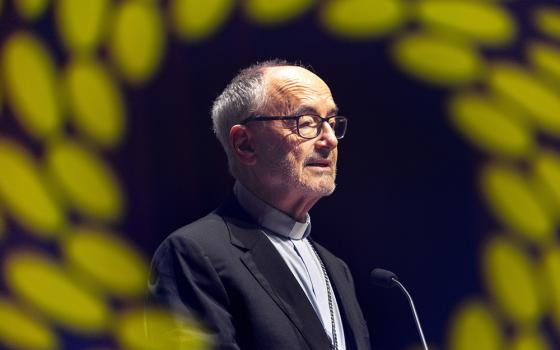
x,y
244,96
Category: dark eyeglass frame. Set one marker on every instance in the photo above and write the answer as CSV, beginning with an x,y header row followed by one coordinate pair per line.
x,y
297,118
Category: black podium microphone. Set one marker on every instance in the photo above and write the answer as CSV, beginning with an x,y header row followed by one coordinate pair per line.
x,y
387,279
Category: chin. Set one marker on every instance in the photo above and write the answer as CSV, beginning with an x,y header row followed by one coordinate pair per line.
x,y
328,191
322,189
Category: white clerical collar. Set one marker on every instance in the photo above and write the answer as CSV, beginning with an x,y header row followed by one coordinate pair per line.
x,y
269,217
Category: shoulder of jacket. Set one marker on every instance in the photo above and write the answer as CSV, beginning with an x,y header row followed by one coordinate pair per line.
x,y
208,236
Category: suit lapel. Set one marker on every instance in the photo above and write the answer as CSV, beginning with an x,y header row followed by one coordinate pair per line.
x,y
274,276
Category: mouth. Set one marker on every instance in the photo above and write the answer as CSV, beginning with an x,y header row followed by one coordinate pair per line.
x,y
320,163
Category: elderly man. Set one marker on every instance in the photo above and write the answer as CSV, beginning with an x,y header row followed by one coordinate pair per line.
x,y
249,271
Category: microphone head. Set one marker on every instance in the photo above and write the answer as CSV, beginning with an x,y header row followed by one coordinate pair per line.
x,y
383,278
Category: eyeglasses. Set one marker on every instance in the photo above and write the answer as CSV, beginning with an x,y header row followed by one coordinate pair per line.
x,y
308,125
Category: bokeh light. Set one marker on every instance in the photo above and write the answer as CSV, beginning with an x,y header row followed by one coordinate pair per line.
x,y
195,20
95,102
546,60
510,278
32,87
513,200
108,261
482,22
529,340
2,225
30,9
523,90
22,183
137,41
490,127
268,12
547,20
59,297
21,330
81,24
437,60
85,180
474,326
159,329
550,280
546,173
362,19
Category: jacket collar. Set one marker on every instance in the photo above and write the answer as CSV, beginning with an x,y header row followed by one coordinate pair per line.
x,y
269,269
274,220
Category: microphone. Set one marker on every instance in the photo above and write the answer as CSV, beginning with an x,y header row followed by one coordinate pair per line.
x,y
387,279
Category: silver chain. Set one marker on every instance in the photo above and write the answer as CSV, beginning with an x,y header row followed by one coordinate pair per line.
x,y
334,343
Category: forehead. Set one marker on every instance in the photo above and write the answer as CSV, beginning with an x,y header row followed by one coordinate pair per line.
x,y
291,87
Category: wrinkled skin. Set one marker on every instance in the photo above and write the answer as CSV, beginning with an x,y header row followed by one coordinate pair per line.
x,y
287,171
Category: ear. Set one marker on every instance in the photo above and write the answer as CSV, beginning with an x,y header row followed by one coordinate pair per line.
x,y
241,142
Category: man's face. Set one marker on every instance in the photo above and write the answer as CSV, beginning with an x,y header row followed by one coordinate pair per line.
x,y
286,161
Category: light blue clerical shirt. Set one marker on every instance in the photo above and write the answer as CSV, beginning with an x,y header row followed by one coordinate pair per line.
x,y
289,237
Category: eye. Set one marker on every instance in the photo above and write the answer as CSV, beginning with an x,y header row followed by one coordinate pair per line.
x,y
308,121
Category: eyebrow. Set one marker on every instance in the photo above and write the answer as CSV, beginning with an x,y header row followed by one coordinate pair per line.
x,y
310,110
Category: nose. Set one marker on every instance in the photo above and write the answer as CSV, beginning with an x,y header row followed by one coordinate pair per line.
x,y
327,137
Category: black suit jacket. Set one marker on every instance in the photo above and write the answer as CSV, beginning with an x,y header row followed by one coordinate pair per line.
x,y
223,271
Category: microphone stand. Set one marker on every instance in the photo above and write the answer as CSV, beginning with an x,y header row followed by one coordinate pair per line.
x,y
416,319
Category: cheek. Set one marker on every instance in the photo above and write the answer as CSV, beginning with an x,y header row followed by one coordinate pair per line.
x,y
270,149
293,152
295,160
299,155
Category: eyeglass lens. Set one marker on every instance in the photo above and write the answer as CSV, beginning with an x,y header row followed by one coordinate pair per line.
x,y
309,126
